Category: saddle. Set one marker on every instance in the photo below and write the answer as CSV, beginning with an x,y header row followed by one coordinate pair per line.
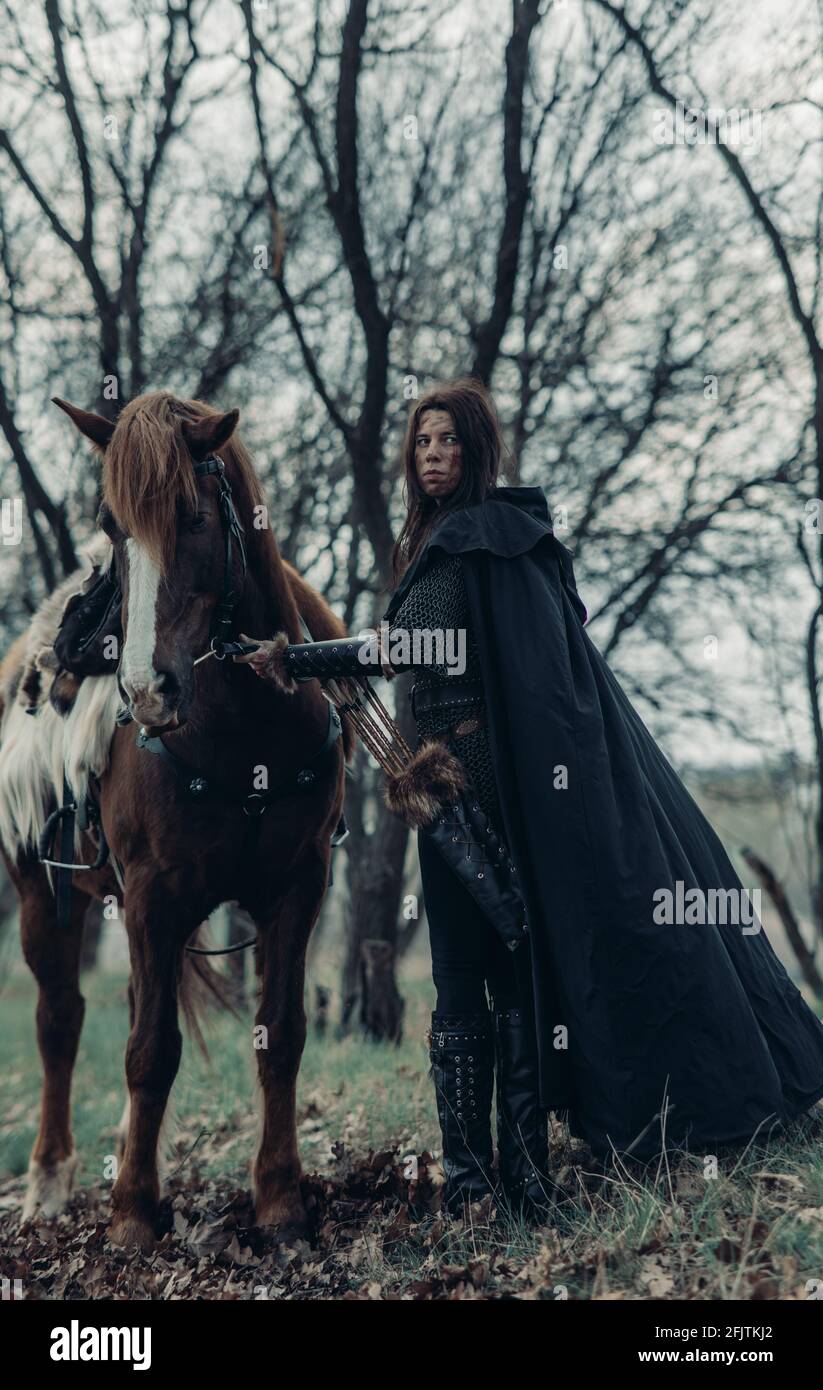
x,y
90,619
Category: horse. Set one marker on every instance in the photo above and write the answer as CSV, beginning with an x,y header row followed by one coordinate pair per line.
x,y
230,791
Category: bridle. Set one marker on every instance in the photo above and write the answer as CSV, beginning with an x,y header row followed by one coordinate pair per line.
x,y
233,533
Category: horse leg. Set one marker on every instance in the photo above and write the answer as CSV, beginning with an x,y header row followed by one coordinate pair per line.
x,y
284,937
123,1123
152,1059
121,1133
53,956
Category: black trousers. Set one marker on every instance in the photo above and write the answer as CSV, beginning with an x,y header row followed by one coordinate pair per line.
x,y
467,954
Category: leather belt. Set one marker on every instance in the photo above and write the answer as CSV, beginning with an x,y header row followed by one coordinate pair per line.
x,y
454,693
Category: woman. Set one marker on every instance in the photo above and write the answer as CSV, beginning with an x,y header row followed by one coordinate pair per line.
x,y
629,1006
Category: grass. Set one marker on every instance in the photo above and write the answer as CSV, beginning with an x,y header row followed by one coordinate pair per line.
x,y
349,1089
755,1230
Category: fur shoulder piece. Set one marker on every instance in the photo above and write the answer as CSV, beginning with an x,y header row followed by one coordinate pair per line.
x,y
431,779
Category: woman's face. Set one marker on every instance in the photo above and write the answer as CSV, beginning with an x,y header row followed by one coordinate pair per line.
x,y
438,454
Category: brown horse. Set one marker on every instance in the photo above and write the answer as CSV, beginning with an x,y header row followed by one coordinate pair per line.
x,y
178,853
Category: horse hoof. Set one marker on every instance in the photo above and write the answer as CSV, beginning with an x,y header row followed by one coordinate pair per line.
x,y
131,1231
288,1232
286,1227
49,1187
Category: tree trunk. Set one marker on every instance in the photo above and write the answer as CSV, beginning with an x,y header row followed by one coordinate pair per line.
x,y
777,893
375,876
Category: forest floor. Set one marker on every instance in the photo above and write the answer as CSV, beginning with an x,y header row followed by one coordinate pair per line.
x,y
752,1229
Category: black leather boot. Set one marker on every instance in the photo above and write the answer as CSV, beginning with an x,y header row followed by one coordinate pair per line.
x,y
462,1064
522,1125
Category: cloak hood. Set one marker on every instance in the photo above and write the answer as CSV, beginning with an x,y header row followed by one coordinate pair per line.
x,y
517,522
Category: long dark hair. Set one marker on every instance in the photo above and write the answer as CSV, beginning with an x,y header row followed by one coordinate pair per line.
x,y
483,450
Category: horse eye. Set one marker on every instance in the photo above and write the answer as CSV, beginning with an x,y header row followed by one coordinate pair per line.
x,y
106,522
197,523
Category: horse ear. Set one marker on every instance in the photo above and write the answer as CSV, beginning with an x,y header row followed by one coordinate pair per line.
x,y
206,436
94,427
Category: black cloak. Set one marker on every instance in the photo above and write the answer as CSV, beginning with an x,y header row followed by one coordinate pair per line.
x,y
689,1033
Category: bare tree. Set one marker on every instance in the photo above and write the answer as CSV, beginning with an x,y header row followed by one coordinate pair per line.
x,y
794,240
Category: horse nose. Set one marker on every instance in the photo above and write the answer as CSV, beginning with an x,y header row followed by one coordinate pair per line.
x,y
162,686
166,684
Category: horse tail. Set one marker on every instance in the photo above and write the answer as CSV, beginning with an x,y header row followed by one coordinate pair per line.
x,y
200,989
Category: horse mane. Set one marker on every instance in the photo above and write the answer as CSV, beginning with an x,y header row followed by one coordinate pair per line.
x,y
148,477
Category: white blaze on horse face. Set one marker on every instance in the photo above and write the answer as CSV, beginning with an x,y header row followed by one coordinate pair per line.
x,y
137,671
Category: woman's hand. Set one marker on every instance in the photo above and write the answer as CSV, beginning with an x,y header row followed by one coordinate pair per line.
x,y
267,661
258,660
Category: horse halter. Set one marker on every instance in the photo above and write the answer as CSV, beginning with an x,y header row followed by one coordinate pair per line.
x,y
233,532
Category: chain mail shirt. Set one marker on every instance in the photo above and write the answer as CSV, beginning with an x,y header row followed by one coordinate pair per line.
x,y
437,600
